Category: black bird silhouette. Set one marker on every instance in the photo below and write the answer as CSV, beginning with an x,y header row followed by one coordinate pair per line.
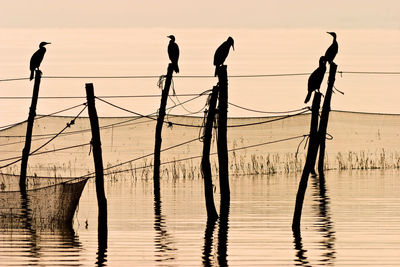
x,y
222,52
173,53
37,58
331,52
315,79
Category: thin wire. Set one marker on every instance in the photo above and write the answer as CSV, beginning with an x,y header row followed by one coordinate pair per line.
x,y
268,112
83,97
204,76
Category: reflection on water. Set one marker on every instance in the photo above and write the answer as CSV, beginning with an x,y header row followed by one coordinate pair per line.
x,y
324,225
349,219
163,241
301,258
324,220
208,259
223,233
223,226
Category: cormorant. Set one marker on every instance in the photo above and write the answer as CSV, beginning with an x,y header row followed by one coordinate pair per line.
x,y
37,58
173,53
331,52
315,80
222,52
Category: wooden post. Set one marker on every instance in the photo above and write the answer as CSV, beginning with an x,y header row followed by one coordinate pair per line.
x,y
160,122
29,128
222,133
205,161
98,164
310,163
326,107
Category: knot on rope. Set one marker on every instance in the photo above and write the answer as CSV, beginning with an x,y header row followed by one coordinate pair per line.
x,y
328,136
72,122
160,82
306,137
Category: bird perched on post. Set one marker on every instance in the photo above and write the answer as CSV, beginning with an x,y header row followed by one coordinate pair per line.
x,y
173,53
37,58
331,52
222,52
315,79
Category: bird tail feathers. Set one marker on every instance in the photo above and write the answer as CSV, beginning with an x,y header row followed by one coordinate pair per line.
x,y
176,68
307,97
31,77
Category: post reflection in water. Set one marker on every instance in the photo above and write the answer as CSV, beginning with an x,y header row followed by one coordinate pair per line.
x,y
208,260
26,219
301,258
102,237
325,226
222,246
223,233
165,250
324,220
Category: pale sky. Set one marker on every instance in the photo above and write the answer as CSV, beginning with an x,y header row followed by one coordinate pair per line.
x,y
206,13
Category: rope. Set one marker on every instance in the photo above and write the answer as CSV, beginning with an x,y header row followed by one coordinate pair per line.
x,y
144,156
49,151
267,121
267,112
40,117
68,125
126,110
214,153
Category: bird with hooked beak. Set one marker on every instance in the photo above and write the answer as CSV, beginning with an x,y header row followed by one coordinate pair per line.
x,y
332,50
315,79
222,52
37,58
173,53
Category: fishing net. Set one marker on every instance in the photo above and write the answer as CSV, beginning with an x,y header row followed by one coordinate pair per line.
x,y
50,206
259,145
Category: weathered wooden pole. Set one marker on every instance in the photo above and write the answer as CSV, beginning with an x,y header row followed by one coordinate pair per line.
x,y
98,164
160,122
310,162
323,125
222,145
205,161
29,128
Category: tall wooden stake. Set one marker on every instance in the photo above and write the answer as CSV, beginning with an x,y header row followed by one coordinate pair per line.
x,y
326,107
310,163
98,164
222,133
28,139
205,161
160,122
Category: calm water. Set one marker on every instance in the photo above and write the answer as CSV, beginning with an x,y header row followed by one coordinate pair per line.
x,y
353,220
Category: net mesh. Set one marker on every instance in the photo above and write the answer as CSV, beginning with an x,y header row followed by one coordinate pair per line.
x,y
43,207
360,141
